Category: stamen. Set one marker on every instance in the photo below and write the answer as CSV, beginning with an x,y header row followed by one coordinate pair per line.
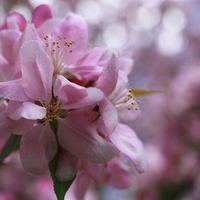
x,y
128,102
52,110
58,48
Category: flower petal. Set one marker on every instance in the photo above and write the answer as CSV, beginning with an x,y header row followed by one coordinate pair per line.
x,y
37,70
108,78
13,90
79,136
27,110
79,187
98,172
67,166
109,117
74,96
8,39
119,177
28,34
41,14
17,127
91,58
125,139
74,28
14,21
37,149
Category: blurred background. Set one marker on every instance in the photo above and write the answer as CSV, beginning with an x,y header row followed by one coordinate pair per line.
x,y
163,38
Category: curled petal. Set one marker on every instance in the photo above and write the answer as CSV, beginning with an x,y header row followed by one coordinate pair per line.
x,y
74,96
41,14
14,21
108,78
125,139
109,117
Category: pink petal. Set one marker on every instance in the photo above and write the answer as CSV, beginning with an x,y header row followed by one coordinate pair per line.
x,y
37,70
125,139
8,39
74,96
15,21
91,58
120,87
74,28
28,34
109,117
119,177
37,149
108,78
27,110
128,116
67,166
79,136
17,127
79,187
82,185
6,72
13,90
98,172
41,14
48,27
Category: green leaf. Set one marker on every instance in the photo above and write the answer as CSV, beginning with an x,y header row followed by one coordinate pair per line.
x,y
11,145
60,188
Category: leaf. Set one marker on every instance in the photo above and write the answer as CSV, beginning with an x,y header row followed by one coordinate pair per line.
x,y
140,92
60,188
11,145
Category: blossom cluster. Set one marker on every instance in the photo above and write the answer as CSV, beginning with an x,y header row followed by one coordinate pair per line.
x,y
60,96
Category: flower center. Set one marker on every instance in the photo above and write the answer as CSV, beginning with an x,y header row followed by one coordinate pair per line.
x,y
59,49
128,102
52,110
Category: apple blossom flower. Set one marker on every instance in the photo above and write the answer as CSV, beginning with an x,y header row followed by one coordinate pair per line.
x,y
63,98
36,103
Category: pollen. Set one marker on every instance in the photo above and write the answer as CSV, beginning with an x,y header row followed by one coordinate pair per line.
x,y
59,49
127,100
53,109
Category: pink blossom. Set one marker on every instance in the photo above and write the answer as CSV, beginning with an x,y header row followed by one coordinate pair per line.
x,y
125,139
62,95
34,103
14,21
114,172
